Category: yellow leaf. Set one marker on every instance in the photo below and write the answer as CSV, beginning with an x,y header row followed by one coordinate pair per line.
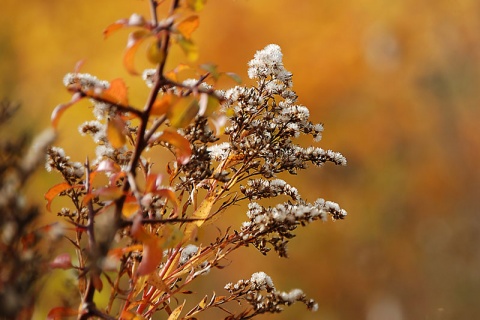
x,y
202,213
203,303
196,5
187,26
154,53
183,112
176,313
115,132
208,104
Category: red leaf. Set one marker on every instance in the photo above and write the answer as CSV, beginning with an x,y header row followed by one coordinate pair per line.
x,y
183,151
61,108
59,313
55,191
62,261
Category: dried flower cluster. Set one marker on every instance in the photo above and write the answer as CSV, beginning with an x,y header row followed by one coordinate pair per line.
x,y
219,148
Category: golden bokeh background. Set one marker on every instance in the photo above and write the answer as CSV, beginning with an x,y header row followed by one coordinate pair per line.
x,y
396,84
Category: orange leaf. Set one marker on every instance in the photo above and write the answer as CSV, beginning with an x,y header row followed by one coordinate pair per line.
x,y
170,195
116,92
135,39
128,315
130,206
114,27
118,252
152,250
61,108
59,313
172,74
152,183
187,26
55,191
183,112
116,132
162,105
183,150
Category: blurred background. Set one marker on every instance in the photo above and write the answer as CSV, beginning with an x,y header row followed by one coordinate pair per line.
x,y
396,84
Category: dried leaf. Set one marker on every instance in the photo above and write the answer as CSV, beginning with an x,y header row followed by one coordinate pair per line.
x,y
176,313
183,150
187,26
183,112
55,191
62,261
135,39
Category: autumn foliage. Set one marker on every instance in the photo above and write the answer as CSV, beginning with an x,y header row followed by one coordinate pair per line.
x,y
165,171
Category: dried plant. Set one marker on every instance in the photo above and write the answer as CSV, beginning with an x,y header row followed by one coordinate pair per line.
x,y
22,260
135,223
